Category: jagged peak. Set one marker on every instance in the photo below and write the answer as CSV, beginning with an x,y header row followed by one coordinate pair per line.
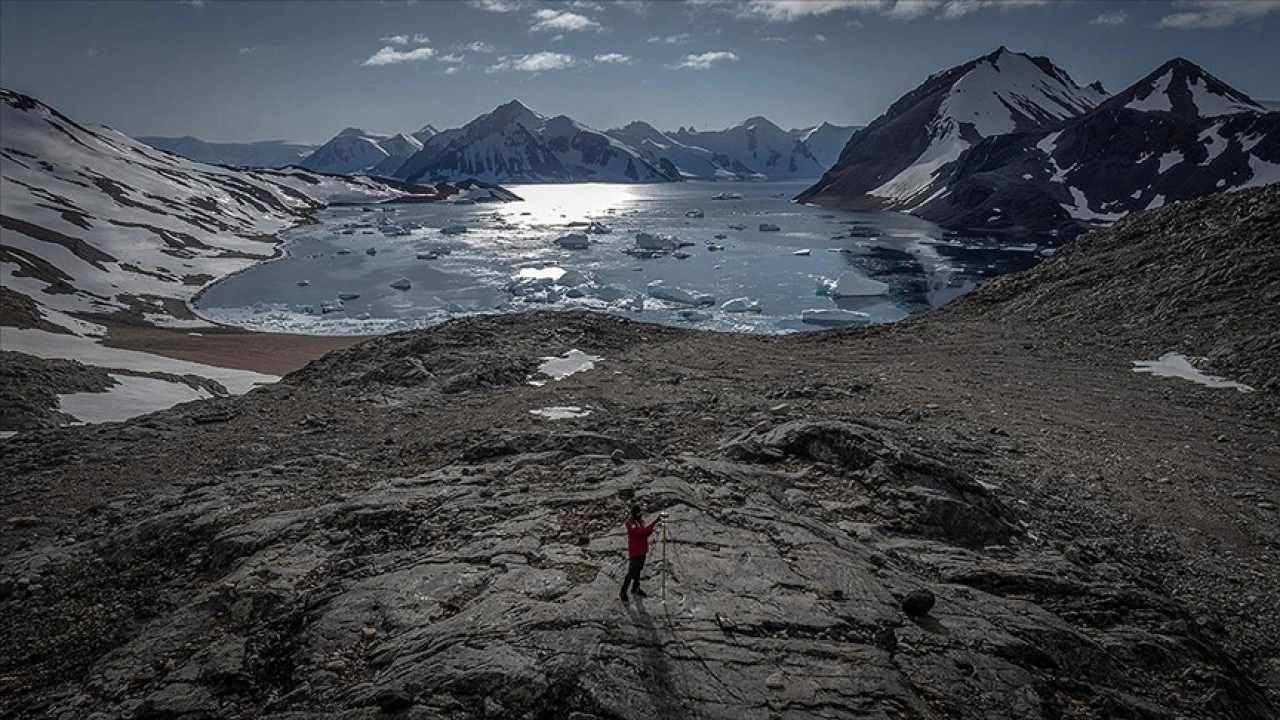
x,y
353,132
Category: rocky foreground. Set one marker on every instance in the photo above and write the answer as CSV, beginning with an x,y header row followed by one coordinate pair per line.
x,y
390,531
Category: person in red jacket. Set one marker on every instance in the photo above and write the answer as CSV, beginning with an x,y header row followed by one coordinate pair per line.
x,y
637,550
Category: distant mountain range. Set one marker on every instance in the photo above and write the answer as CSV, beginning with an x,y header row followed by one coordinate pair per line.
x,y
1011,142
515,144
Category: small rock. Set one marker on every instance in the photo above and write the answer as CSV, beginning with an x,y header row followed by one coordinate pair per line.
x,y
337,538
782,409
493,708
1072,554
522,487
918,603
369,633
776,681
7,586
1266,505
24,521
582,716
617,456
763,426
391,700
335,665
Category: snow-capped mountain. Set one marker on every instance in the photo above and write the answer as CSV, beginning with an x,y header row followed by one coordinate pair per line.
x,y
756,144
425,133
92,221
675,157
826,141
516,144
901,159
266,153
1185,89
1193,135
355,151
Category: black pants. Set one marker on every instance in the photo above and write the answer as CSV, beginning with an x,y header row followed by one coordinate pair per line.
x,y
633,574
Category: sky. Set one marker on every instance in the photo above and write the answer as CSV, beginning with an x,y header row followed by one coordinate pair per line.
x,y
228,70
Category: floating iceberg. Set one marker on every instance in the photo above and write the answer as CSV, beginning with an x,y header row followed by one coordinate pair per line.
x,y
348,296
805,251
833,317
453,229
853,284
303,283
658,242
573,241
427,256
402,284
659,290
371,251
695,213
596,228
741,305
769,227
693,315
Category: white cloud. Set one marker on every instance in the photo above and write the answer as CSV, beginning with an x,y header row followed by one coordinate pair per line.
x,y
669,39
562,20
452,69
773,39
819,38
197,4
247,50
1110,19
396,39
534,63
391,56
614,59
91,52
586,5
452,58
706,60
791,10
496,6
1216,13
478,47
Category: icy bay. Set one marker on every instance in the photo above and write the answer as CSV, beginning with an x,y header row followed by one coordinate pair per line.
x,y
380,268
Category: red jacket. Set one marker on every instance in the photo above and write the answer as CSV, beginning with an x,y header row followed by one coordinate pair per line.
x,y
638,537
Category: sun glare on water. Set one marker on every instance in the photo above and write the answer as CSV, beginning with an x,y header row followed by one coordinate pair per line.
x,y
558,204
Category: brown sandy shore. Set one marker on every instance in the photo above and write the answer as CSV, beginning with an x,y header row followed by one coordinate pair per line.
x,y
270,353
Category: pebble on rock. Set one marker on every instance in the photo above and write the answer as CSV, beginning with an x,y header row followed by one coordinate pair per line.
x,y
918,603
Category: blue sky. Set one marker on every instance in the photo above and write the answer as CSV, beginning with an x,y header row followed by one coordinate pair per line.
x,y
237,70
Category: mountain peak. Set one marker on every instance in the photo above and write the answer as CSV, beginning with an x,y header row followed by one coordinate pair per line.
x,y
1183,88
353,132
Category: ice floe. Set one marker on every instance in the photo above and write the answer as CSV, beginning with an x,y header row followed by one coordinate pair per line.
x,y
660,290
833,317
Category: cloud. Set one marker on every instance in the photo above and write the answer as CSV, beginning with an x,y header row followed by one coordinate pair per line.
x,y
706,60
197,4
534,63
496,6
391,56
1216,13
247,50
614,59
451,70
477,46
819,38
586,5
792,10
669,39
1111,19
396,39
562,20
773,39
452,58
91,52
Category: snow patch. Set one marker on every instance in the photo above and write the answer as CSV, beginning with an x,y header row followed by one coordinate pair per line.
x,y
561,412
1176,365
130,397
572,362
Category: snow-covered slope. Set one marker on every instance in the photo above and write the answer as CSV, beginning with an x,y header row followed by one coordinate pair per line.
x,y
515,144
757,145
826,141
1135,152
266,153
901,159
1185,89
